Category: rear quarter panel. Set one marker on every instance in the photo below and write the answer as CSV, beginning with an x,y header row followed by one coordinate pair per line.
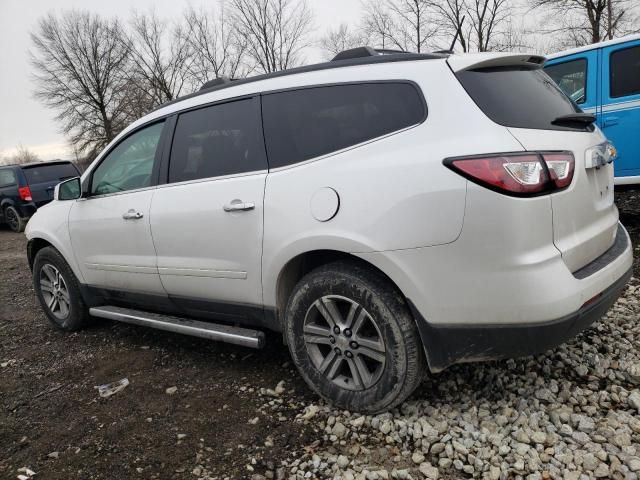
x,y
394,191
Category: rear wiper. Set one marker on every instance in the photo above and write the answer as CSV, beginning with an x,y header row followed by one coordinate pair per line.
x,y
576,120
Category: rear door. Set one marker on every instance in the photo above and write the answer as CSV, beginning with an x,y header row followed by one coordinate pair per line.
x,y
621,104
43,178
207,220
527,101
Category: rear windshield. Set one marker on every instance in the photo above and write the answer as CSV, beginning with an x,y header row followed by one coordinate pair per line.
x,y
519,97
49,173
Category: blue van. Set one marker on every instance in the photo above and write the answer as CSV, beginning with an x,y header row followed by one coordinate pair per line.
x,y
604,79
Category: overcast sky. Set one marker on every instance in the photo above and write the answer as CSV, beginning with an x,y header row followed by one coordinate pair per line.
x,y
24,121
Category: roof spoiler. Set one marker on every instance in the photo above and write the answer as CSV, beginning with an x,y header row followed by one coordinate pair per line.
x,y
475,61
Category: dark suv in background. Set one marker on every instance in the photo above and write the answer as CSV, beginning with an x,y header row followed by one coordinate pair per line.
x,y
25,188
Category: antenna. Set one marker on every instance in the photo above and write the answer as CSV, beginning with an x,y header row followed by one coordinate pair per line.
x,y
458,33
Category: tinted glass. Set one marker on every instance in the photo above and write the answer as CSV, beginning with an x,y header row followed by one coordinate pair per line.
x,y
219,140
7,177
625,72
517,96
571,77
49,173
307,123
129,165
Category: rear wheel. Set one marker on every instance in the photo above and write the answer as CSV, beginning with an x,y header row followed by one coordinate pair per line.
x,y
58,290
14,220
353,339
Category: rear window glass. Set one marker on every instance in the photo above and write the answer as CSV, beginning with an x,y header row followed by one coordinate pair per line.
x,y
571,77
310,122
625,72
50,173
518,96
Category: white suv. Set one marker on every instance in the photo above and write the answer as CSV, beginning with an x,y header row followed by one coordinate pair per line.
x,y
388,214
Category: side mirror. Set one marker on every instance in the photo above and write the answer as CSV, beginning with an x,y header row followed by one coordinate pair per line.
x,y
67,190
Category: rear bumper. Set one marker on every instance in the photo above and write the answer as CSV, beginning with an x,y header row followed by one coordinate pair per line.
x,y
472,306
447,345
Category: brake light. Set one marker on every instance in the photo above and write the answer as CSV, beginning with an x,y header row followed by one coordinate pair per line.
x,y
25,194
518,174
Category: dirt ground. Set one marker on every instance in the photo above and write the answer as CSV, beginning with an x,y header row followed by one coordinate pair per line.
x,y
48,402
219,423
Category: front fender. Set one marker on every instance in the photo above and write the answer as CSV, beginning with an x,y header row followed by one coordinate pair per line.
x,y
50,224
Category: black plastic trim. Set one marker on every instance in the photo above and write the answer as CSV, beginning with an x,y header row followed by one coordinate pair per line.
x,y
462,343
619,246
195,308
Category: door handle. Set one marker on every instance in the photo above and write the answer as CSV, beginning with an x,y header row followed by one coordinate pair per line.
x,y
132,215
239,206
607,121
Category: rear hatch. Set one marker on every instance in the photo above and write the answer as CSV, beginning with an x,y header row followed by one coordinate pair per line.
x,y
513,91
42,179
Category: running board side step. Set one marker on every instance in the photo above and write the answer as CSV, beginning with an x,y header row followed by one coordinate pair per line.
x,y
221,333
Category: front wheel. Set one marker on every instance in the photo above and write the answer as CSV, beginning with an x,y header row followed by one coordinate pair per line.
x,y
353,339
58,290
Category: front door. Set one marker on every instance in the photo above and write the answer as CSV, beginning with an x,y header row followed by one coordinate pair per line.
x,y
621,105
109,226
207,219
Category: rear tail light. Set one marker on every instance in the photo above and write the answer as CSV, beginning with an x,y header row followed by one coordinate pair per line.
x,y
518,174
25,194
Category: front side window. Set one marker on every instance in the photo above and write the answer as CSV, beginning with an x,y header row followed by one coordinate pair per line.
x,y
310,122
7,177
625,72
129,165
223,139
571,77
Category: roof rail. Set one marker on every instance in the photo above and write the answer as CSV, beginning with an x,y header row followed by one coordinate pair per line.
x,y
358,52
214,83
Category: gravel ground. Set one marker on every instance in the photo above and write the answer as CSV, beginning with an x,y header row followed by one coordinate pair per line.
x,y
571,413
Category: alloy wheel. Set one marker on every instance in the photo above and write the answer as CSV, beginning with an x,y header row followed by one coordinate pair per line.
x,y
54,291
344,342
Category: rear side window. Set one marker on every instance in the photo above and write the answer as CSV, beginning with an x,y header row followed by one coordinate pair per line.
x,y
7,177
222,139
518,96
49,173
306,123
625,72
571,77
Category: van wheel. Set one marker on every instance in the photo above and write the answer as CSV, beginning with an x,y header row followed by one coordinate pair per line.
x,y
14,220
58,290
353,338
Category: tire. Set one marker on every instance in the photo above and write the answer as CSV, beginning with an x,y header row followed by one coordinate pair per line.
x,y
14,220
384,365
52,277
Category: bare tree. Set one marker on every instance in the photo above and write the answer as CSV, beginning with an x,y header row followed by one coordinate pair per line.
x,y
21,155
486,18
400,24
581,22
217,49
339,39
275,30
79,60
378,24
159,58
450,17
